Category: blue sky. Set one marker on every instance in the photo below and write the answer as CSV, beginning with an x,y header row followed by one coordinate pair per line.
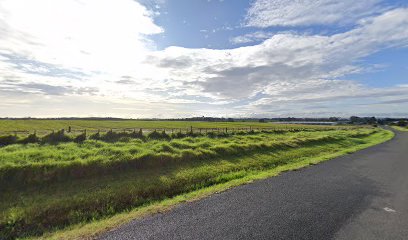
x,y
182,58
391,68
214,24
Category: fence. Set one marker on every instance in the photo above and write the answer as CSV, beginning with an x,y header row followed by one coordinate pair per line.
x,y
190,129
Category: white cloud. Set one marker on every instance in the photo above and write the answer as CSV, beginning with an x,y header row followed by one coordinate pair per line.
x,y
90,36
251,37
77,44
287,65
95,54
86,37
266,13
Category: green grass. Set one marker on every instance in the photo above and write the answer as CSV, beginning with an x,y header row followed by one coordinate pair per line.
x,y
403,129
50,187
40,124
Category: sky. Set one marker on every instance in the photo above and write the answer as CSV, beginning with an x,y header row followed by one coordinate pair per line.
x,y
215,58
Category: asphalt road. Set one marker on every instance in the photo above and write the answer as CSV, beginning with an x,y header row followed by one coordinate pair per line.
x,y
359,196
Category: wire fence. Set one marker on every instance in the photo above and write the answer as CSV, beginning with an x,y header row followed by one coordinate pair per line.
x,y
74,131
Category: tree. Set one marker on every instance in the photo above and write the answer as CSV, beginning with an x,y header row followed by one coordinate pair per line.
x,y
402,123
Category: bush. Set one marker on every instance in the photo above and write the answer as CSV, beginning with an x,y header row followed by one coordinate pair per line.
x,y
402,123
193,134
32,138
138,134
7,140
80,138
157,135
111,136
56,137
178,135
95,136
211,134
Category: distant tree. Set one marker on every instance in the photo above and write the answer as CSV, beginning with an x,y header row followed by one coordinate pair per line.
x,y
402,123
372,120
354,119
333,119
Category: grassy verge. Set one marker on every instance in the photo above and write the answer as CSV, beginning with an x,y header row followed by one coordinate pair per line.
x,y
98,202
90,230
403,129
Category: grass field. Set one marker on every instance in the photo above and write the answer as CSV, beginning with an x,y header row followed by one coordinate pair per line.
x,y
35,124
404,129
46,187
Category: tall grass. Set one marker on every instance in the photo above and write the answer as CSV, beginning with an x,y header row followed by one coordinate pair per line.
x,y
37,163
47,186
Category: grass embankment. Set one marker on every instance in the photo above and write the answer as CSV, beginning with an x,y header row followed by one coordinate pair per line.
x,y
403,129
164,169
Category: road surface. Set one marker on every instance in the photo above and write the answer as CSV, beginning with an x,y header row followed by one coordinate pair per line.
x,y
359,196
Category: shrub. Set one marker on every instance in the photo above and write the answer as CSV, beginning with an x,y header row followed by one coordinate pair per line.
x,y
212,134
56,137
124,139
32,138
80,138
402,123
157,135
178,135
192,134
111,136
138,134
7,140
95,136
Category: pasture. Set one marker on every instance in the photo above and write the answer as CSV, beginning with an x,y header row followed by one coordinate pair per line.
x,y
399,128
37,124
52,185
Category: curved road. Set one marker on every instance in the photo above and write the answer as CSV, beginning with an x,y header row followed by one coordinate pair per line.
x,y
359,196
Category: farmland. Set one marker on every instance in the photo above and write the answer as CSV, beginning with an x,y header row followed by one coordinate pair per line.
x,y
56,184
35,124
404,129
